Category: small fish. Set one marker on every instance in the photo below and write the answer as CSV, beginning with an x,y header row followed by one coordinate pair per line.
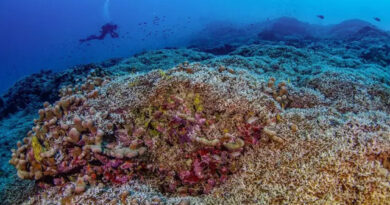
x,y
320,16
377,19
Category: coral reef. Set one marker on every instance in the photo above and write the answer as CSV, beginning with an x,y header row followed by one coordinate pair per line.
x,y
30,92
186,134
379,55
291,122
183,137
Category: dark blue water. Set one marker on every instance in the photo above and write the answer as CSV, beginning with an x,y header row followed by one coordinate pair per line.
x,y
42,34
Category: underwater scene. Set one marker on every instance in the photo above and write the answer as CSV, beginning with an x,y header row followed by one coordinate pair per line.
x,y
126,102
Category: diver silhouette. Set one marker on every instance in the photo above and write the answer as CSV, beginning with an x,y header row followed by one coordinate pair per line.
x,y
107,28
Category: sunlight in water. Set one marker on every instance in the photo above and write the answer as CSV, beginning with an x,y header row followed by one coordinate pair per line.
x,y
106,12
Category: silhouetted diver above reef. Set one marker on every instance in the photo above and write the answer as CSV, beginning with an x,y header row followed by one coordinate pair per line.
x,y
107,28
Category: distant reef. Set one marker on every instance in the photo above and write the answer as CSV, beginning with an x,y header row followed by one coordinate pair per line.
x,y
219,34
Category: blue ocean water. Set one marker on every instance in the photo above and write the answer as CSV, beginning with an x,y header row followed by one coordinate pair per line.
x,y
42,34
332,56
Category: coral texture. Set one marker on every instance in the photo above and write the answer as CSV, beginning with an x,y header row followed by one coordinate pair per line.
x,y
186,134
180,136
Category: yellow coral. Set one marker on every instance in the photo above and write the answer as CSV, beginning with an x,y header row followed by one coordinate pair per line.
x,y
133,83
37,148
154,133
232,146
198,103
162,73
278,118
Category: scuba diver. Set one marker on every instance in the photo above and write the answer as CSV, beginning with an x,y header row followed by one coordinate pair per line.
x,y
107,28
